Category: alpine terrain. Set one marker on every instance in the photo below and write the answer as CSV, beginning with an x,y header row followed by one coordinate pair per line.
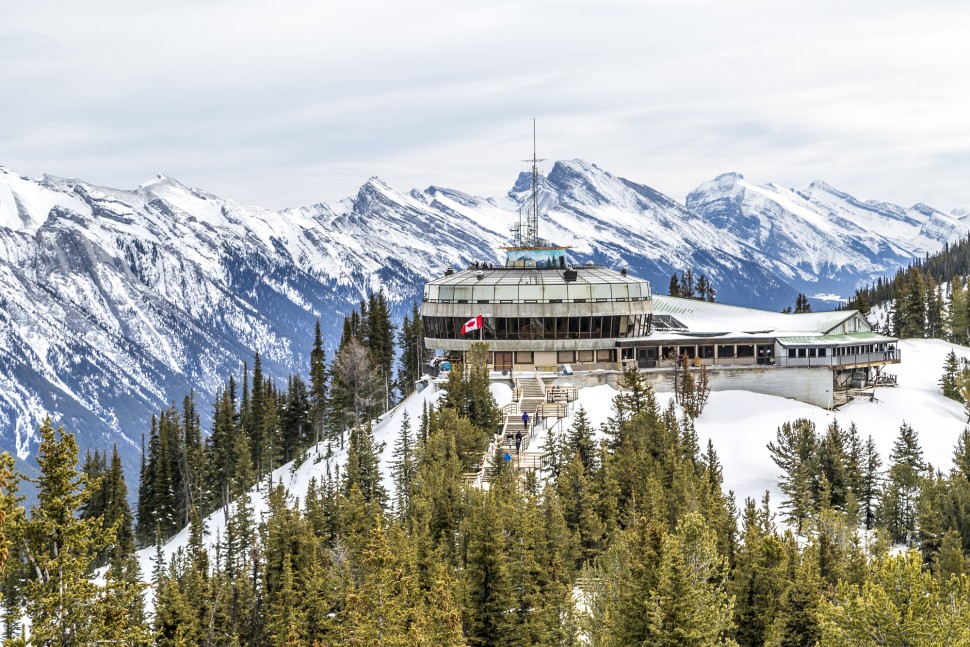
x,y
114,303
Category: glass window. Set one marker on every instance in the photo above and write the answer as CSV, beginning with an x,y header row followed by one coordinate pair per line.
x,y
523,357
549,331
726,350
604,355
821,352
484,293
801,352
792,353
463,292
565,356
556,292
506,293
578,291
584,356
620,291
707,352
530,292
562,328
573,328
745,350
634,291
600,291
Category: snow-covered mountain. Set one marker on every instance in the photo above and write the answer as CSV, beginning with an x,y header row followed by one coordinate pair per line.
x,y
834,241
115,303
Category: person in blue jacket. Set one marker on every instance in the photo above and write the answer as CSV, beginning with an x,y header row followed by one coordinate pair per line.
x,y
525,419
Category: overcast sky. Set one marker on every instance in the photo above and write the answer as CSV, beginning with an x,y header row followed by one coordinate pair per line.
x,y
292,103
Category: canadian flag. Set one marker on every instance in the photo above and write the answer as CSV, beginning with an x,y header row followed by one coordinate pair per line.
x,y
475,323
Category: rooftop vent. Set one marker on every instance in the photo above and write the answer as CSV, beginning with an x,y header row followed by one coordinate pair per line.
x,y
449,271
623,271
570,275
479,275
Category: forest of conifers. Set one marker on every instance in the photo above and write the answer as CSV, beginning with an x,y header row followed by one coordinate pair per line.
x,y
627,539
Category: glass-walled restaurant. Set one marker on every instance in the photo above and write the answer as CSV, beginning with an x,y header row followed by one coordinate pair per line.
x,y
520,290
541,328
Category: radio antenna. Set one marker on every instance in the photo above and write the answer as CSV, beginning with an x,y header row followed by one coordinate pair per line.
x,y
532,219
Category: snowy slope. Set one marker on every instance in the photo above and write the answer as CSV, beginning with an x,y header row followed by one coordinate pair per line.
x,y
739,423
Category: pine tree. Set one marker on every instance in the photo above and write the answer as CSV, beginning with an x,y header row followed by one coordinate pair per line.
x,y
65,606
795,454
674,289
900,605
690,605
759,578
363,466
379,611
869,492
488,577
948,381
318,384
403,468
898,505
411,343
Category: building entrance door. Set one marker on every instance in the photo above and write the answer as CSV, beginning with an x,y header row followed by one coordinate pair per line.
x,y
503,361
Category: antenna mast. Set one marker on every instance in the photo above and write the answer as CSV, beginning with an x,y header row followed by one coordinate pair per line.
x,y
532,219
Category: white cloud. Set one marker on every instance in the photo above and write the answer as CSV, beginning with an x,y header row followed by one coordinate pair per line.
x,y
300,102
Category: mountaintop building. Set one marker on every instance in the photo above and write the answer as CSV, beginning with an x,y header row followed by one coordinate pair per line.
x,y
540,314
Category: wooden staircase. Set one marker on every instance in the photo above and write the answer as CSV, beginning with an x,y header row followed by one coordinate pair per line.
x,y
530,396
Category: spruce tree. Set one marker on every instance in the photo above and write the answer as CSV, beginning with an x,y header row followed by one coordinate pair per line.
x,y
65,606
318,384
403,468
795,453
899,499
948,381
689,605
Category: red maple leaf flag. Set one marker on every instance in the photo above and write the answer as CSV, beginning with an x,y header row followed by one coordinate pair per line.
x,y
475,323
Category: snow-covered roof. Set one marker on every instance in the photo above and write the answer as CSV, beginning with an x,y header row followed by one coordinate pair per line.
x,y
592,274
718,318
829,340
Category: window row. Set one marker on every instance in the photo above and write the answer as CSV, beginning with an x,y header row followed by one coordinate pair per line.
x,y
842,351
539,328
504,360
537,293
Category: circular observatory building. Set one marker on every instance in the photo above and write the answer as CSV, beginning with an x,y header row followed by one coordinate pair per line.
x,y
537,311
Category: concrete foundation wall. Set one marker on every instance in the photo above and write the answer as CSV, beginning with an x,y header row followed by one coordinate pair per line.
x,y
811,385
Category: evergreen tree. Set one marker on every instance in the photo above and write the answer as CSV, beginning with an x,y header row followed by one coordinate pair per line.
x,y
795,453
411,343
948,381
674,289
900,605
898,505
869,491
403,468
318,384
65,606
690,605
